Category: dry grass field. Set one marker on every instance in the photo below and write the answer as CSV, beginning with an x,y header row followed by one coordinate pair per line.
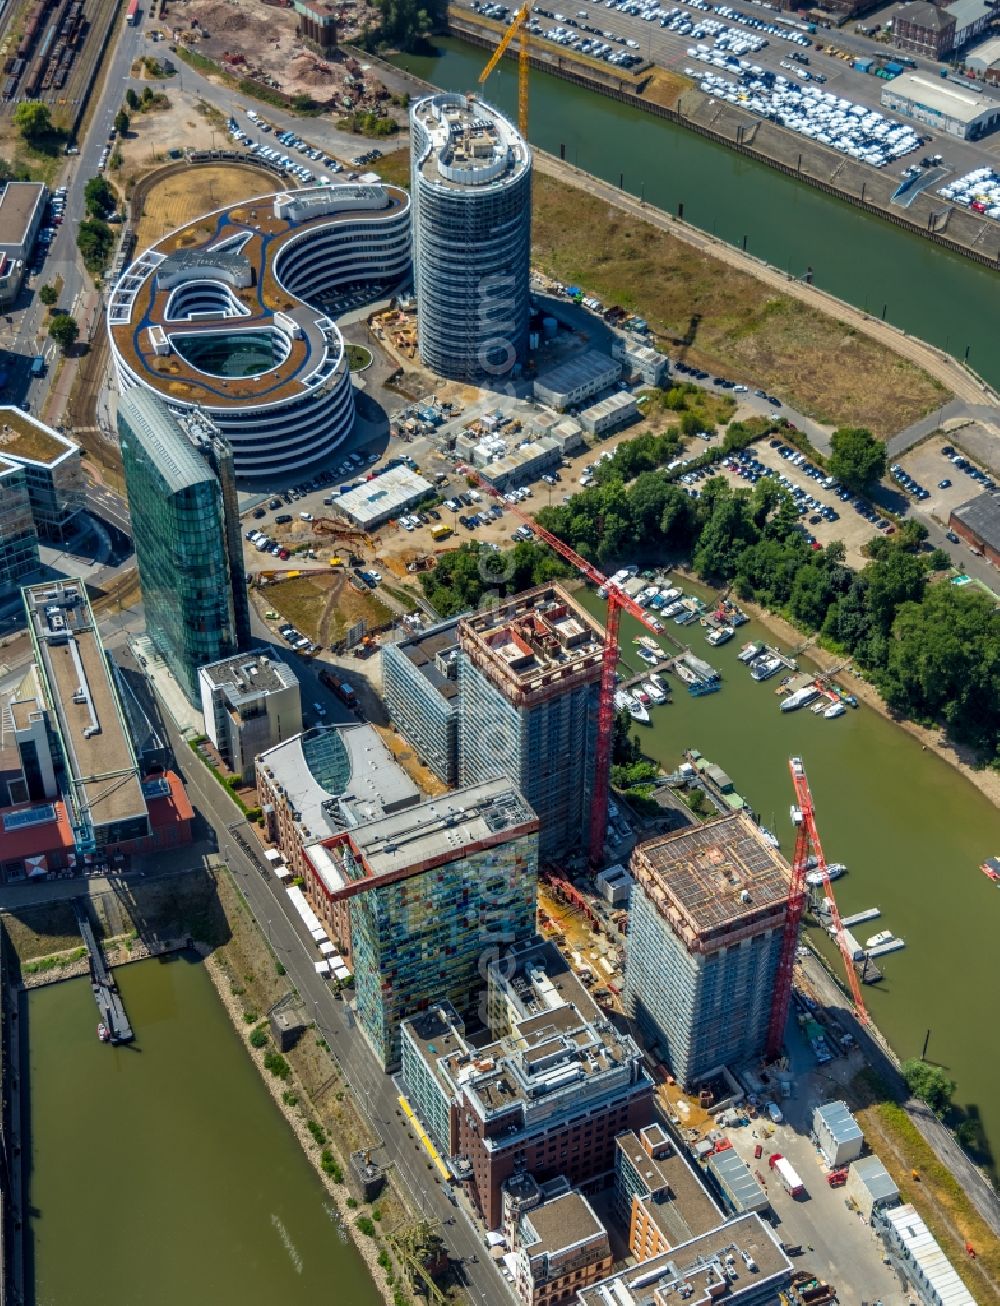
x,y
184,195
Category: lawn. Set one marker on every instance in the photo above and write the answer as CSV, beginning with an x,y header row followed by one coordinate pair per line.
x,y
724,319
189,192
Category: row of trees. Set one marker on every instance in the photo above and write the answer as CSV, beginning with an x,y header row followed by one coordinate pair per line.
x,y
933,650
463,578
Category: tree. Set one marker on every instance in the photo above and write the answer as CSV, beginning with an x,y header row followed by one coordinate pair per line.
x,y
64,330
856,457
131,99
929,1083
48,295
95,240
99,197
33,120
121,123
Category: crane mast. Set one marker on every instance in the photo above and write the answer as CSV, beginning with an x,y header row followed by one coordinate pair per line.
x,y
517,26
617,601
807,846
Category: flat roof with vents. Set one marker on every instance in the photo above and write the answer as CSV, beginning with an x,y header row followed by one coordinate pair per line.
x,y
426,835
103,773
535,645
714,881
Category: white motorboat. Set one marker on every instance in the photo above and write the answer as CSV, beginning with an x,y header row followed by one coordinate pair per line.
x,y
834,710
637,711
877,940
720,635
833,872
800,698
656,692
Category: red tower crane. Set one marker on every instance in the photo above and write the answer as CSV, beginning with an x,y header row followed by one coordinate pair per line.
x,y
807,846
617,599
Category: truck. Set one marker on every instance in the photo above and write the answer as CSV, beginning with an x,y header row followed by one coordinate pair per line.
x,y
788,1175
38,365
132,13
341,688
441,531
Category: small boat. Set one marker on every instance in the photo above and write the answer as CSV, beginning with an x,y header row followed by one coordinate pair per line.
x,y
672,609
749,652
796,814
801,698
763,668
721,635
622,700
734,615
877,940
649,657
684,672
637,711
659,683
834,710
642,696
815,878
991,869
103,1033
655,693
672,595
771,838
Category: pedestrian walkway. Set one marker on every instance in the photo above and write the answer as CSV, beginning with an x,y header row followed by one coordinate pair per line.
x,y
917,431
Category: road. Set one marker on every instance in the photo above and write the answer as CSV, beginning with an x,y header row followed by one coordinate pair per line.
x,y
373,1092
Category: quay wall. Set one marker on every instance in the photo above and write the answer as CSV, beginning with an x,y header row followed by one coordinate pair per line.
x,y
958,230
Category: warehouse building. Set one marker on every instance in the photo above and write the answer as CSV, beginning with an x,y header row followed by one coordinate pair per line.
x,y
972,18
705,931
609,414
250,702
984,58
578,378
838,1135
420,692
382,498
978,523
941,105
737,1184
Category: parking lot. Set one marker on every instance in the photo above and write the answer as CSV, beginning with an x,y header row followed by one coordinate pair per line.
x,y
928,467
824,513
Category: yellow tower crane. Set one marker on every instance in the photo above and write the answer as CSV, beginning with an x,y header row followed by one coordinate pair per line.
x,y
516,27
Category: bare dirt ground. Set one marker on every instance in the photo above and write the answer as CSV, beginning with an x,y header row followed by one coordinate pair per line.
x,y
323,604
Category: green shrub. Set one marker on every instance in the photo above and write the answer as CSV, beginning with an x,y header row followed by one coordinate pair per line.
x,y
277,1065
352,1204
317,1131
331,1166
289,1098
366,1225
259,1038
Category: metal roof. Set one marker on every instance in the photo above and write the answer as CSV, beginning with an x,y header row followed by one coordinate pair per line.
x,y
161,435
938,95
737,1181
839,1121
982,516
967,12
879,1183
926,15
921,1249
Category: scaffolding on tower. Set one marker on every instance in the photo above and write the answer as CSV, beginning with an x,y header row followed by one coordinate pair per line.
x,y
808,854
617,600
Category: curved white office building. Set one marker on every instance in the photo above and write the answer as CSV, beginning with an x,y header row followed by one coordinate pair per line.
x,y
471,195
226,314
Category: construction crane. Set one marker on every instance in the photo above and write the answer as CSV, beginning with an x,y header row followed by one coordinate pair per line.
x,y
617,600
808,853
517,26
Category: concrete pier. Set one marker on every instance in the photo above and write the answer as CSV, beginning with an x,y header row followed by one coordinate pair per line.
x,y
106,995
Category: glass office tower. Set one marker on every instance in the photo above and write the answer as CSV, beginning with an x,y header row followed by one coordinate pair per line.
x,y
192,587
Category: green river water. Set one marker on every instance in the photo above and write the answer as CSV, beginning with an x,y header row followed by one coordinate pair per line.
x,y
911,831
939,296
162,1172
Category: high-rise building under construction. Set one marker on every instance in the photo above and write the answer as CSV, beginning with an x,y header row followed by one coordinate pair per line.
x,y
705,931
529,680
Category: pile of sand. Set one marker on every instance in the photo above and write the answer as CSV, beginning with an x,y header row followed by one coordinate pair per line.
x,y
309,71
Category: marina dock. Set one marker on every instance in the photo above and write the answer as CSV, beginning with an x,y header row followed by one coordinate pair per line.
x,y
106,995
869,914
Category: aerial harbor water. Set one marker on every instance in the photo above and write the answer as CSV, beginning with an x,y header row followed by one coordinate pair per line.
x,y
161,1170
924,289
910,829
